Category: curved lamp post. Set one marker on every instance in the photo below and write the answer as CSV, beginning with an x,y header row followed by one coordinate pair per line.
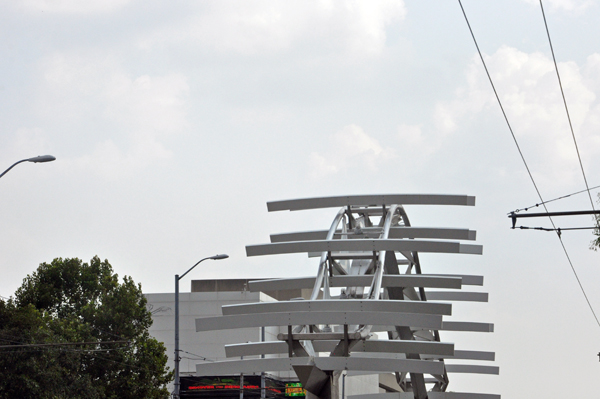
x,y
177,278
41,158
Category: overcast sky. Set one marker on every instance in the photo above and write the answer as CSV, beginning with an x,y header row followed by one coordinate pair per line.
x,y
174,122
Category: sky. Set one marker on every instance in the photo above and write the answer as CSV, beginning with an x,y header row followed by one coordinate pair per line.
x,y
173,123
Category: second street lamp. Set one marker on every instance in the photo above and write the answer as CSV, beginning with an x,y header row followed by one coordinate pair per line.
x,y
177,278
38,159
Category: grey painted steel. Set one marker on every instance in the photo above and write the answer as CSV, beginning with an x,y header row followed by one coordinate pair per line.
x,y
177,357
366,200
472,369
257,348
245,366
433,232
462,395
375,288
464,326
320,280
467,279
467,326
474,355
457,296
40,158
325,364
458,355
339,305
403,280
435,349
377,364
395,232
312,318
281,284
366,249
351,255
393,244
388,395
467,355
176,382
430,395
322,336
398,346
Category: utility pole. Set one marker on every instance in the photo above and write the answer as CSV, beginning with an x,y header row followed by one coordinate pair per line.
x,y
263,393
177,381
241,382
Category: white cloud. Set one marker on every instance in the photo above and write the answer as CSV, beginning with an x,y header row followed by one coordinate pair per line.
x,y
411,137
30,142
77,7
111,163
350,148
261,27
529,91
254,116
135,112
147,104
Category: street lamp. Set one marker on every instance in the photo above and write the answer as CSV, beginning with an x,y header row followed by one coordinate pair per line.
x,y
177,278
41,158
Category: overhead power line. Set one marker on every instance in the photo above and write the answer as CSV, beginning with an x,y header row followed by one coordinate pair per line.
x,y
197,356
500,102
61,344
562,92
525,163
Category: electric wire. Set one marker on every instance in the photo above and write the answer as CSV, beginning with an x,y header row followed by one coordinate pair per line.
x,y
525,163
48,349
83,324
500,103
48,344
562,92
121,363
14,337
552,200
102,331
193,354
74,350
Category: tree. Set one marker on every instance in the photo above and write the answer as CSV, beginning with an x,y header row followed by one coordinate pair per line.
x,y
36,371
595,244
71,301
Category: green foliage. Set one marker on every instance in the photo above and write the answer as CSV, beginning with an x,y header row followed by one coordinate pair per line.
x,y
595,244
71,301
47,372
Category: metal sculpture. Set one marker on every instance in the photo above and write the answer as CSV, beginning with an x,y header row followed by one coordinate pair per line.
x,y
370,239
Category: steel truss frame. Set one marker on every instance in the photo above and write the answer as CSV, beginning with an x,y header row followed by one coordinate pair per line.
x,y
368,242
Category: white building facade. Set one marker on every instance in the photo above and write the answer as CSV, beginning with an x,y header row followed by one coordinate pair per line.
x,y
205,300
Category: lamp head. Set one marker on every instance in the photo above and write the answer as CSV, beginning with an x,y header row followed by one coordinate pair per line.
x,y
42,158
218,257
